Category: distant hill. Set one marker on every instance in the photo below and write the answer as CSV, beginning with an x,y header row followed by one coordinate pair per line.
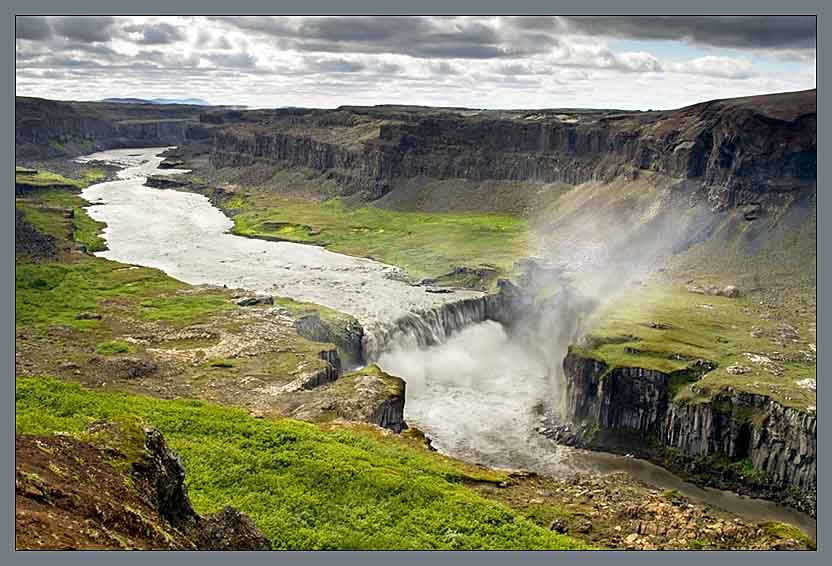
x,y
187,101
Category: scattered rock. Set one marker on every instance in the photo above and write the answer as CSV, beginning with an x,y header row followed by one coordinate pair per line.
x,y
165,182
730,291
737,370
171,164
583,526
251,301
87,316
808,383
559,526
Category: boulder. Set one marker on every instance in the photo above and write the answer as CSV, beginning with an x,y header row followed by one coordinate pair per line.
x,y
255,300
231,530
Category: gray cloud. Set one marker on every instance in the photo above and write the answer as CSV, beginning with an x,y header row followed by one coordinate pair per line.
x,y
445,68
237,60
156,34
207,41
763,32
89,29
54,50
32,27
336,66
417,36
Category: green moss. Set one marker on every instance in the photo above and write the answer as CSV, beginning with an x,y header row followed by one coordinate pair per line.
x,y
784,531
544,514
393,385
300,308
121,435
305,488
54,293
49,221
184,309
220,363
701,327
111,347
672,495
426,245
88,232
696,544
45,179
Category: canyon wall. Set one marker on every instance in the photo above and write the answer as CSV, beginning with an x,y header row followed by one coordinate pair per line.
x,y
609,404
47,128
740,150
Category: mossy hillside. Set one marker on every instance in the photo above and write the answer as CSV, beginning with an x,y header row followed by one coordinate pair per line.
x,y
784,531
426,245
305,487
665,328
54,207
24,176
111,347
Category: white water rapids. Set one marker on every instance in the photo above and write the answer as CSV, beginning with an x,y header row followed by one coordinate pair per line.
x,y
474,395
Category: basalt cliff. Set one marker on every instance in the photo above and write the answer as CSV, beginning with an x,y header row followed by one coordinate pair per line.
x,y
632,409
740,150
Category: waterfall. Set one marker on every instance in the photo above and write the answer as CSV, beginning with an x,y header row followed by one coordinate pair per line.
x,y
426,327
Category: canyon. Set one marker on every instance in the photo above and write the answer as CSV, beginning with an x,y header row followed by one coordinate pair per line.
x,y
739,170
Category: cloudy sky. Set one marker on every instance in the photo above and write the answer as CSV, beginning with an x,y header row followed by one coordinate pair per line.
x,y
637,62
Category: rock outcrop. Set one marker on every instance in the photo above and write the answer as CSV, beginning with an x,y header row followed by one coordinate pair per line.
x,y
367,395
780,441
31,242
347,336
634,409
122,489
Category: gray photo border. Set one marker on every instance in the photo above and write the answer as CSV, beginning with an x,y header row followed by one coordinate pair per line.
x,y
383,7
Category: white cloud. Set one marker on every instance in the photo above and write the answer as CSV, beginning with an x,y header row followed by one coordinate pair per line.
x,y
713,66
478,62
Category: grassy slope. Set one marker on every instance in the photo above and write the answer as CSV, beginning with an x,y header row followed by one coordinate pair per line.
x,y
714,328
54,194
305,487
48,294
426,245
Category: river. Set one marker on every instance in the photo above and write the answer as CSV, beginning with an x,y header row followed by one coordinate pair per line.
x,y
188,238
474,395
